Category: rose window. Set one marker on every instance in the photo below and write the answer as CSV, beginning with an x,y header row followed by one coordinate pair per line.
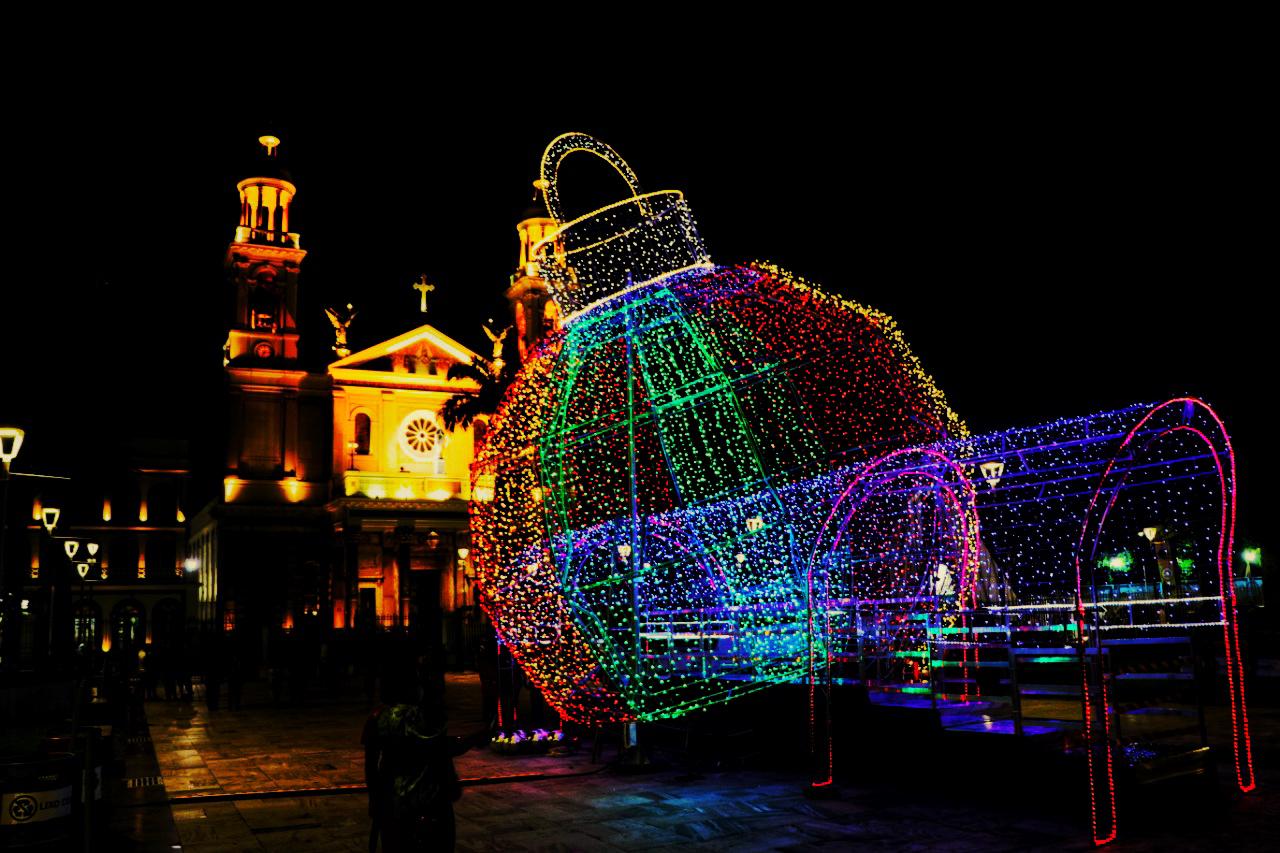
x,y
421,437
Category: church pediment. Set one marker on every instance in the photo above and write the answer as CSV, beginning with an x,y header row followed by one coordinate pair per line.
x,y
420,357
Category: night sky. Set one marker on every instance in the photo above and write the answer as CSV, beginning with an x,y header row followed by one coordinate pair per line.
x,y
1046,254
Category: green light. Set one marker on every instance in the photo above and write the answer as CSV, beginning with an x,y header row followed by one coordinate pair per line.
x,y
1121,562
1251,556
1185,565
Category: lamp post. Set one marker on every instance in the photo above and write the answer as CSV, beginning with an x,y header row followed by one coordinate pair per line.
x,y
82,569
10,444
49,517
11,439
84,560
1154,534
191,572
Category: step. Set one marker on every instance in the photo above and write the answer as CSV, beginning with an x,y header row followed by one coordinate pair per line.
x,y
1006,727
1049,689
1158,711
981,663
1146,641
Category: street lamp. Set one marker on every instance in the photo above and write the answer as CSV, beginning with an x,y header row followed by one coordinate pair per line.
x,y
352,447
11,439
83,566
49,517
10,444
191,567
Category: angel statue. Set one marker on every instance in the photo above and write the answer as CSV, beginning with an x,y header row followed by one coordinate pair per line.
x,y
497,347
340,327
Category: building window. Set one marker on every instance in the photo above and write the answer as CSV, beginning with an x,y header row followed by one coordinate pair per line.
x,y
263,308
86,623
128,626
363,429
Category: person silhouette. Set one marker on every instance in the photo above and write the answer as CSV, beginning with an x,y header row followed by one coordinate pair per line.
x,y
409,769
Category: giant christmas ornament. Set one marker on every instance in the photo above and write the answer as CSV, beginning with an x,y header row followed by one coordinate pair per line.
x,y
655,482
713,479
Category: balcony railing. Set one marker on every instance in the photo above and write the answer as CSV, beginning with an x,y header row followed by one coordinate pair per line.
x,y
400,487
267,237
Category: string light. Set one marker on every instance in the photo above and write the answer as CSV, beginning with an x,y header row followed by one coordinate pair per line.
x,y
685,421
713,479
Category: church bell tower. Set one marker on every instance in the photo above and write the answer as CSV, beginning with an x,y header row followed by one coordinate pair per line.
x,y
533,308
262,264
278,413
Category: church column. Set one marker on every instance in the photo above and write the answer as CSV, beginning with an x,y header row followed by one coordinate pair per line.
x,y
351,569
269,201
235,430
290,456
404,539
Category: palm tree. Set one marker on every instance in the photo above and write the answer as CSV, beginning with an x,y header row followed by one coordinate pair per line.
x,y
493,377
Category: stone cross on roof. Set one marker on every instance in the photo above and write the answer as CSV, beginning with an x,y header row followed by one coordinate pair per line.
x,y
424,288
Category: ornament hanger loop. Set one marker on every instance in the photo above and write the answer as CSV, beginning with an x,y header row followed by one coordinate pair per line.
x,y
569,143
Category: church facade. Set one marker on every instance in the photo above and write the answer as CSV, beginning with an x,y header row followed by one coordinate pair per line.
x,y
343,500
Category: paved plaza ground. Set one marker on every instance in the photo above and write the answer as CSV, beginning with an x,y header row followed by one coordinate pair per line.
x,y
271,778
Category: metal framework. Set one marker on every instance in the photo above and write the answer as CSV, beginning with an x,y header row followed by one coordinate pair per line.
x,y
1102,566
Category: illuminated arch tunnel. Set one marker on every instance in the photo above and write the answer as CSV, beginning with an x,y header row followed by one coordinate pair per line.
x,y
1102,563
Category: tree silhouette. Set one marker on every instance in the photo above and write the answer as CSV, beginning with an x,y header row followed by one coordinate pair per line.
x,y
493,377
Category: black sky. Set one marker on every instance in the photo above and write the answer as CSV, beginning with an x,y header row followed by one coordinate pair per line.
x,y
1048,251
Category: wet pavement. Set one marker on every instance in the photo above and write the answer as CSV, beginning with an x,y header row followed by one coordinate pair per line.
x,y
276,778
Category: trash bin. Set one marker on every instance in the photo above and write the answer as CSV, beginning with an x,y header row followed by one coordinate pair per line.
x,y
96,747
90,748
38,796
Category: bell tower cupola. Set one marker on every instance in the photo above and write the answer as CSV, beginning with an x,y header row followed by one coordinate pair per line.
x,y
534,310
262,265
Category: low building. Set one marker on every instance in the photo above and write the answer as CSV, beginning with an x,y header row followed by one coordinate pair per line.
x,y
110,574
